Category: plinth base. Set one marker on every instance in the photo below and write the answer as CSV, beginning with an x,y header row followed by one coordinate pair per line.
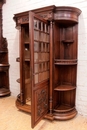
x,y
4,92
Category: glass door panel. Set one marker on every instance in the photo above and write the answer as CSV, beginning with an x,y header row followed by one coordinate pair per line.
x,y
39,35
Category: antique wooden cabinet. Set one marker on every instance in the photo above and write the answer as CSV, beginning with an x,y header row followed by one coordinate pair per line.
x,y
4,64
48,62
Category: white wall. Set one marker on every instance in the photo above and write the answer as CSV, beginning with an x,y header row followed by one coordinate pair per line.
x,y
15,6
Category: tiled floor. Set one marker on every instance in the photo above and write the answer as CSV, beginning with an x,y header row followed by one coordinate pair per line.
x,y
13,119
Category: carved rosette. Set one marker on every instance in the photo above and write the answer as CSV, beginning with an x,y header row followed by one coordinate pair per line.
x,y
25,19
47,16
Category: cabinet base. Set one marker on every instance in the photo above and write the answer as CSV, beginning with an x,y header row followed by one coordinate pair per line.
x,y
65,115
23,107
61,116
54,116
4,92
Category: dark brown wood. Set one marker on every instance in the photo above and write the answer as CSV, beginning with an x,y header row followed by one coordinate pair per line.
x,y
4,65
18,59
65,62
51,69
65,115
48,69
25,107
67,15
2,2
63,108
40,73
65,88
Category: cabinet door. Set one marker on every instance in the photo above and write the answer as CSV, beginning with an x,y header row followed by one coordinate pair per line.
x,y
39,46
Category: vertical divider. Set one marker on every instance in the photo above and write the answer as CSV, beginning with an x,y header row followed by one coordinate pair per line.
x,y
51,69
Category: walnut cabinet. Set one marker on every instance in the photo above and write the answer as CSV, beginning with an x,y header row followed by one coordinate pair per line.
x,y
48,62
4,63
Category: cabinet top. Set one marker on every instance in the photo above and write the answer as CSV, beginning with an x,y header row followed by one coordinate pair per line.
x,y
57,13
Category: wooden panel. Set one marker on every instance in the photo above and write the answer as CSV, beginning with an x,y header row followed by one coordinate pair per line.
x,y
65,61
41,102
39,40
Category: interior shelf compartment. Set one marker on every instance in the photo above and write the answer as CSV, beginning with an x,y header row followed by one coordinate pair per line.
x,y
65,88
65,61
4,91
63,108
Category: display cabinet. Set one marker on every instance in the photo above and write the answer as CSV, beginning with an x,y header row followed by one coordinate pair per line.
x,y
48,62
4,64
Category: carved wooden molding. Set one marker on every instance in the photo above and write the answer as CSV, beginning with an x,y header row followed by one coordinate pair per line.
x,y
48,15
42,101
24,19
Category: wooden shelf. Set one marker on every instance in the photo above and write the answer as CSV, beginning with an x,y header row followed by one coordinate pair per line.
x,y
36,62
26,42
4,65
26,81
4,51
65,88
63,108
41,41
68,41
65,61
18,59
4,91
27,59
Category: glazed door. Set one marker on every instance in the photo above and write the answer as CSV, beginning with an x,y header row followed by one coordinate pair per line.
x,y
39,46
